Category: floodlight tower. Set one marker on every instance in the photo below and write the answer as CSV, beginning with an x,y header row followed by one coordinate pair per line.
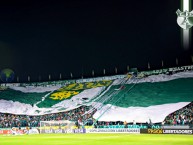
x,y
186,5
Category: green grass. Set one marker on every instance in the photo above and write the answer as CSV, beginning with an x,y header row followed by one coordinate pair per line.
x,y
97,139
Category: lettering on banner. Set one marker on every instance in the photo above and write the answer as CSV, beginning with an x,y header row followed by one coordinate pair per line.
x,y
177,131
109,130
79,131
155,131
58,130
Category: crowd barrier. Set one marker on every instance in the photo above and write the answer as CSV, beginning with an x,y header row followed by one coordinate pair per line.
x,y
94,130
129,126
19,131
99,130
176,127
166,131
114,130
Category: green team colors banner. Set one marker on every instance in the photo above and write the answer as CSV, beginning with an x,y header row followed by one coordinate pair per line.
x,y
152,96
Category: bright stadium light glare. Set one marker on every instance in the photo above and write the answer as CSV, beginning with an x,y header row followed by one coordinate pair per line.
x,y
186,6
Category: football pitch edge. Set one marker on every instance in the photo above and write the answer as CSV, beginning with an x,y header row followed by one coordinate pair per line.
x,y
97,139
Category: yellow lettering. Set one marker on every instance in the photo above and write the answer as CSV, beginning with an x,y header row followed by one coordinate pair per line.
x,y
63,95
70,86
79,87
89,85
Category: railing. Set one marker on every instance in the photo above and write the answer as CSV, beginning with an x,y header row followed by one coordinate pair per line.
x,y
130,126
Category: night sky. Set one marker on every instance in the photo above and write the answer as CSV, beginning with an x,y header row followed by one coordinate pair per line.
x,y
50,37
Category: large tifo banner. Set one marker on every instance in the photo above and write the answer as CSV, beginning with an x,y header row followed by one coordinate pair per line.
x,y
166,131
114,130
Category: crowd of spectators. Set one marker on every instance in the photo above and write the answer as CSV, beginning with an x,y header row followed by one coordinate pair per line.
x,y
182,116
120,124
77,115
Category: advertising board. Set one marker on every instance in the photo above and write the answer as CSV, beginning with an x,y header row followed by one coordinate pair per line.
x,y
166,131
114,130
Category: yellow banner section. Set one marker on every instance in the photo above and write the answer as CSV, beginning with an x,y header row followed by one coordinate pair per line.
x,y
83,86
63,95
74,89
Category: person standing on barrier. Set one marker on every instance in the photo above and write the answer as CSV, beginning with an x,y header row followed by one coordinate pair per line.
x,y
125,124
134,123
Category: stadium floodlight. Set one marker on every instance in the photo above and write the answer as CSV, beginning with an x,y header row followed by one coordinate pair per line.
x,y
63,126
184,20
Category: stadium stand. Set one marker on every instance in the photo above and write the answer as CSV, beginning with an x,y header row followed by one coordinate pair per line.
x,y
11,120
182,116
147,100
